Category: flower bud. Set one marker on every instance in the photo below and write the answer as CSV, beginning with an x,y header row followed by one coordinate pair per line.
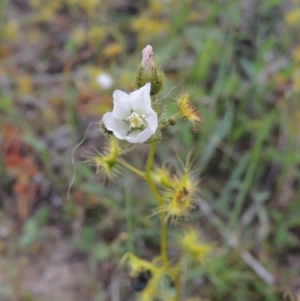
x,y
148,72
172,121
147,57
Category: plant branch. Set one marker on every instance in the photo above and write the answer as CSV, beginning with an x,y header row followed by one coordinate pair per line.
x,y
131,168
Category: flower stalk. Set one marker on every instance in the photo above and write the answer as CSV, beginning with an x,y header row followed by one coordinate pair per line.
x,y
131,168
163,232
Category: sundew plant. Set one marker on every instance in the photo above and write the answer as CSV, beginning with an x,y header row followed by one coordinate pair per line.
x,y
139,117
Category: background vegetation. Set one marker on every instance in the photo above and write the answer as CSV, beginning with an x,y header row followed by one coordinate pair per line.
x,y
240,59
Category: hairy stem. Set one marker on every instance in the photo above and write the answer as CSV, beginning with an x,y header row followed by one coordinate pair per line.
x,y
163,232
131,168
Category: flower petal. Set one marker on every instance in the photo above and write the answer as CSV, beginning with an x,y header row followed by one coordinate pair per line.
x,y
140,100
122,107
137,136
147,111
118,127
152,122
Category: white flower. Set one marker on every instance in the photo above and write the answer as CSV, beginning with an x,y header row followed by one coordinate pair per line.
x,y
104,80
132,118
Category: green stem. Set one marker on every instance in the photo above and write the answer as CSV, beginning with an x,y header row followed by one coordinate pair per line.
x,y
148,174
163,232
131,168
128,220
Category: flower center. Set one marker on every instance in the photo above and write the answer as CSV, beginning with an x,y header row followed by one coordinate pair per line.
x,y
136,121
